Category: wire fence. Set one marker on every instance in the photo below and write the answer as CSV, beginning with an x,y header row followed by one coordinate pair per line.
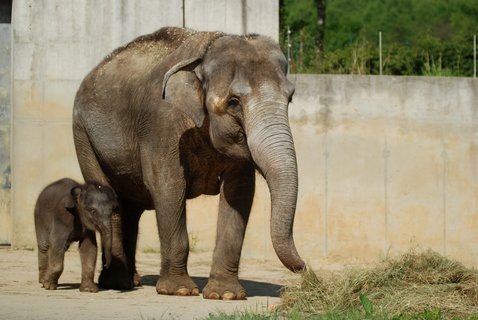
x,y
429,58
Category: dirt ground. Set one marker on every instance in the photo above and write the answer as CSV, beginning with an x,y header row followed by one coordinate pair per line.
x,y
21,296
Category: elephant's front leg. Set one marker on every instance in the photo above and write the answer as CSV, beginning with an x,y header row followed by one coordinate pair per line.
x,y
88,252
237,192
171,217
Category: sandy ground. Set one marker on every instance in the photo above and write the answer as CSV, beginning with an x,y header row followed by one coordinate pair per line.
x,y
21,296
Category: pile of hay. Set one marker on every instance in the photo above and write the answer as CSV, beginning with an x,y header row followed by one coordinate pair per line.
x,y
409,284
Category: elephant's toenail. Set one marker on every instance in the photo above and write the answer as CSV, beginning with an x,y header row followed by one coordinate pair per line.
x,y
241,295
228,295
182,291
195,292
214,296
162,291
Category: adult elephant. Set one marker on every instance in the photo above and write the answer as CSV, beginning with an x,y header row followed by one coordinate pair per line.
x,y
176,114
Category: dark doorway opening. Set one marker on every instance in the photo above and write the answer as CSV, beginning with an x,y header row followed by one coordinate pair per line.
x,y
6,11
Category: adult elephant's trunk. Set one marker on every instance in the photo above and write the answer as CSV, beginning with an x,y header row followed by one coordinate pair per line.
x,y
106,244
272,149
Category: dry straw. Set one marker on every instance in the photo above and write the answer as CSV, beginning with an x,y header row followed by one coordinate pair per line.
x,y
409,284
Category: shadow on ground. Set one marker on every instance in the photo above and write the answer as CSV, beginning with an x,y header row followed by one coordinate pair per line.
x,y
253,288
68,286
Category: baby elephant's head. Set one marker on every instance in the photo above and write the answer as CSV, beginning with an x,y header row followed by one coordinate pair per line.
x,y
95,205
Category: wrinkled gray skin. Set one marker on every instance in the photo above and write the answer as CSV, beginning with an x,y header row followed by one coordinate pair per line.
x,y
176,114
65,212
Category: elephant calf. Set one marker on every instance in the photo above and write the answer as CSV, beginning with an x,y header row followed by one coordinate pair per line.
x,y
67,211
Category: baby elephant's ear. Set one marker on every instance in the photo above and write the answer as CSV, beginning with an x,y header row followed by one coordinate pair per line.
x,y
75,194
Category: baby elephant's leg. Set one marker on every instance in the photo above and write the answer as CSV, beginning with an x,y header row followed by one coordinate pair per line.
x,y
88,252
42,263
56,255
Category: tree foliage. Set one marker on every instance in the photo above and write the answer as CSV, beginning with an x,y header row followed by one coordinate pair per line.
x,y
431,37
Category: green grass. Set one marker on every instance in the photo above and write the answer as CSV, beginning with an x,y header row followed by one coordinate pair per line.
x,y
352,314
345,315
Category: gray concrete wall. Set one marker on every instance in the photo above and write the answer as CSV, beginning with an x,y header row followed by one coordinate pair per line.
x,y
234,16
5,120
385,162
55,44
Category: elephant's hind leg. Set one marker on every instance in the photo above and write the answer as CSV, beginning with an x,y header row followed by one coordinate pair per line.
x,y
89,165
118,275
237,191
56,256
42,263
124,246
131,215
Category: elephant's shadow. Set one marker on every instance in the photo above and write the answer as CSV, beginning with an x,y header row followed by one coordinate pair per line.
x,y
253,288
68,286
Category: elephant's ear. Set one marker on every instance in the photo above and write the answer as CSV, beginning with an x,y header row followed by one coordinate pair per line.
x,y
75,193
184,91
69,201
181,86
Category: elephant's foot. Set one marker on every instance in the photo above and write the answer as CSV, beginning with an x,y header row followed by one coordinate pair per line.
x,y
225,289
50,285
137,280
88,287
116,277
180,285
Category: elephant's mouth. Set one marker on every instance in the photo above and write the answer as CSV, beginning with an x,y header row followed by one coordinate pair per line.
x,y
232,144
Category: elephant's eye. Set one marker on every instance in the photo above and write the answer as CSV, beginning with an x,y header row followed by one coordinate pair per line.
x,y
233,102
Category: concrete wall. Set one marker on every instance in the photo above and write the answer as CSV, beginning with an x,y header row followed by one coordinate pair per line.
x,y
5,129
385,162
234,16
55,44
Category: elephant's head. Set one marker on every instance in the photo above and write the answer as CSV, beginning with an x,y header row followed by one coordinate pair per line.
x,y
239,84
95,206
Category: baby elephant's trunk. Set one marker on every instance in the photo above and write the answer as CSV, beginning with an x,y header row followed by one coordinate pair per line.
x,y
106,245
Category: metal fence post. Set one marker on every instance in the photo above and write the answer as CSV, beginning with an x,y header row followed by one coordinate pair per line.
x,y
474,56
288,50
380,49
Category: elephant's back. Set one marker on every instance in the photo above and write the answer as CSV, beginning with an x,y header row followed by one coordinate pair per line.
x,y
155,45
123,78
53,195
56,190
131,64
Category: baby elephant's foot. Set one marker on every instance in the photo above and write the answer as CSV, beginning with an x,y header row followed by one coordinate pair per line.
x,y
137,280
226,289
116,278
50,285
178,285
88,287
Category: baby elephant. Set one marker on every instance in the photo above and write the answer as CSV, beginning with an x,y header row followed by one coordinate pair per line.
x,y
67,211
